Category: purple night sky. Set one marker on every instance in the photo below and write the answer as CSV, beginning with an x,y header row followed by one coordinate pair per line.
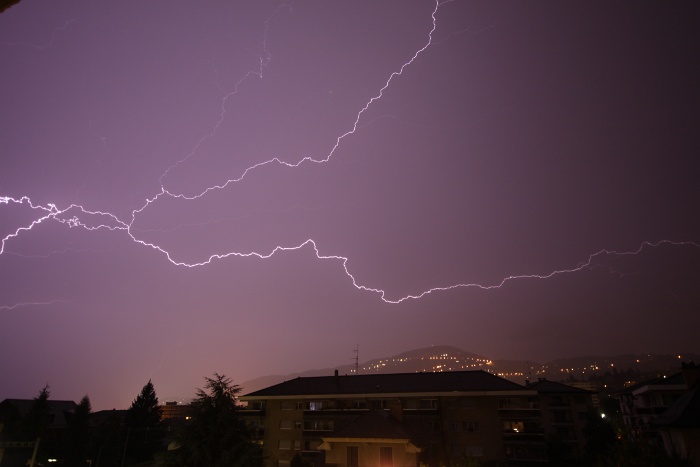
x,y
154,154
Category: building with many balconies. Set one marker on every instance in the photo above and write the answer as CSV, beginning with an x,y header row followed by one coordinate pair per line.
x,y
407,419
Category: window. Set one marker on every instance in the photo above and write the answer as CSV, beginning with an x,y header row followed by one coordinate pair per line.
x,y
318,425
285,424
385,457
299,405
509,403
558,400
285,444
428,404
353,459
287,405
297,424
316,405
470,425
513,426
257,405
312,445
564,432
380,404
454,426
359,404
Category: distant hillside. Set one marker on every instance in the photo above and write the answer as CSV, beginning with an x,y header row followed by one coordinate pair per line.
x,y
622,368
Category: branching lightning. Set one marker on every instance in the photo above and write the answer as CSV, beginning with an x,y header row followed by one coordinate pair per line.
x,y
77,216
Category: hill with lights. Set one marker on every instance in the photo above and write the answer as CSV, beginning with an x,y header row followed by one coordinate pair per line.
x,y
620,370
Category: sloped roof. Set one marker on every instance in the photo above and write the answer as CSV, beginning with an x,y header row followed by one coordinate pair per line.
x,y
59,409
684,413
546,386
673,380
390,383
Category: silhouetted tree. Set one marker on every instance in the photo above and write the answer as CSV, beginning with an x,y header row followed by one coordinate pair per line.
x,y
143,425
108,438
600,438
39,417
217,436
78,435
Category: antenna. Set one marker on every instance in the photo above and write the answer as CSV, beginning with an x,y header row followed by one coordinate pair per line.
x,y
357,358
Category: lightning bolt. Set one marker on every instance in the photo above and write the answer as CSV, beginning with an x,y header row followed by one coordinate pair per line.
x,y
25,304
77,216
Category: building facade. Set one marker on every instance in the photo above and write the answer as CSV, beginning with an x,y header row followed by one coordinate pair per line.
x,y
408,419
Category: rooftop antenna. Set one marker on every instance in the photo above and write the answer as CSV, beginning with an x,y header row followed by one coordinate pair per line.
x,y
529,372
357,358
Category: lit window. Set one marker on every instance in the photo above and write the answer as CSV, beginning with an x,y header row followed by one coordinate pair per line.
x,y
386,458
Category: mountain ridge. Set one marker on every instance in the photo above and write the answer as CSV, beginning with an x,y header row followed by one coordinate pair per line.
x,y
450,358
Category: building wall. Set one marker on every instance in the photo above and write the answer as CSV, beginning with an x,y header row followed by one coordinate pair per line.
x,y
487,427
369,454
564,416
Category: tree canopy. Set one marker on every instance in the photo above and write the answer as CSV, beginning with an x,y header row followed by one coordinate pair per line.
x,y
143,425
217,436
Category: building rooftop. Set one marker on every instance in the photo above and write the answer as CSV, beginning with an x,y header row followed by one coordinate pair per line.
x,y
59,410
454,381
684,413
546,386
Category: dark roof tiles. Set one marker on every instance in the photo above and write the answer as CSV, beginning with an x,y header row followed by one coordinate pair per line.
x,y
390,383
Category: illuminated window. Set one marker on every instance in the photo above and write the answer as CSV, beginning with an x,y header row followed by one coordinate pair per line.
x,y
386,458
316,405
513,426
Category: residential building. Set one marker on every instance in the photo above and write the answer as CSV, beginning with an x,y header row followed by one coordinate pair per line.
x,y
564,410
16,449
406,419
679,425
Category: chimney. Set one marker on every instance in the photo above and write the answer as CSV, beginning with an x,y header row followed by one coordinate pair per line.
x,y
691,374
336,373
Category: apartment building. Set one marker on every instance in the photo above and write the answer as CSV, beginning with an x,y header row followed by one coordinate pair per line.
x,y
407,419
